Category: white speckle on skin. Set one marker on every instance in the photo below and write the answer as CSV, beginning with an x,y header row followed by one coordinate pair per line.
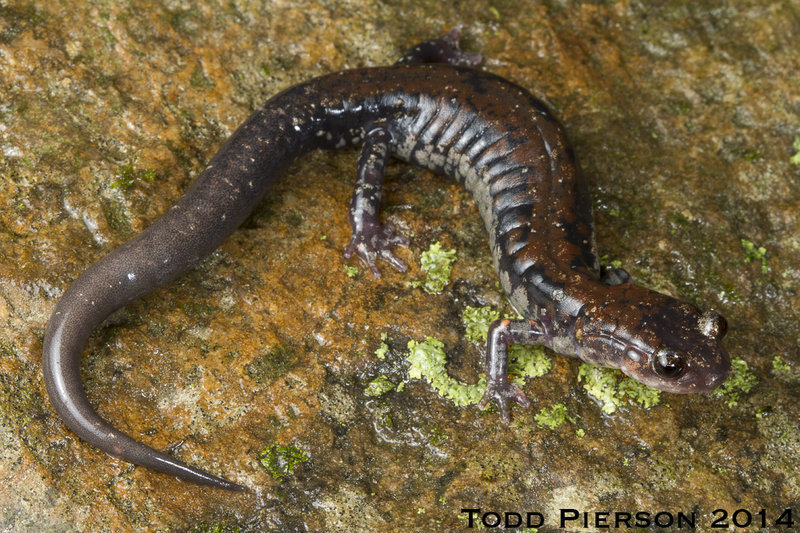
x,y
131,276
633,355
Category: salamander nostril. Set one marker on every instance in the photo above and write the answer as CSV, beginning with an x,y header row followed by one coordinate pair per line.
x,y
713,381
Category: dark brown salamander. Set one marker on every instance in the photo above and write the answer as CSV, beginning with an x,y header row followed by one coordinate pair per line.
x,y
487,133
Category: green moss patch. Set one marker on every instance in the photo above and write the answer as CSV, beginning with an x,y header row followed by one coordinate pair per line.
x,y
351,271
272,364
383,348
738,383
126,175
379,386
779,365
755,253
554,417
282,460
795,159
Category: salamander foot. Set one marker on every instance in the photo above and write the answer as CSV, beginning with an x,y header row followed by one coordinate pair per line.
x,y
503,393
374,242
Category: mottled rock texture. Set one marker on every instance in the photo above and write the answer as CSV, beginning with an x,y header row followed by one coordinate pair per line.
x,y
684,116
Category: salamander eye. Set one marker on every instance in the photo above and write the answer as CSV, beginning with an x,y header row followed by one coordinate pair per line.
x,y
668,364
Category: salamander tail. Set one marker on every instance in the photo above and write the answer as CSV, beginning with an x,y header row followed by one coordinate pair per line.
x,y
64,341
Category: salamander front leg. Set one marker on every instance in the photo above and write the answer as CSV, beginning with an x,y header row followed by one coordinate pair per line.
x,y
498,387
615,276
370,239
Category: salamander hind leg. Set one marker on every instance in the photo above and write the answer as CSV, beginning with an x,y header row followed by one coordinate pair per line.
x,y
371,240
498,387
441,50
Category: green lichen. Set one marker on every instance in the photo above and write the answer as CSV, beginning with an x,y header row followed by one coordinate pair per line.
x,y
527,362
611,388
383,348
379,386
126,175
555,417
739,382
282,460
779,365
795,159
386,420
524,361
477,321
351,271
437,264
640,393
756,253
427,361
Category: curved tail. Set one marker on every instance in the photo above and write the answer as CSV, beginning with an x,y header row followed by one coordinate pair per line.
x,y
67,332
213,207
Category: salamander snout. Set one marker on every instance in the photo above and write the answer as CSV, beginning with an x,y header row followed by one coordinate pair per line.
x,y
692,358
715,380
675,347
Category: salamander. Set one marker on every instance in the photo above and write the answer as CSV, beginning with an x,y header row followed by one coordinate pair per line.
x,y
435,110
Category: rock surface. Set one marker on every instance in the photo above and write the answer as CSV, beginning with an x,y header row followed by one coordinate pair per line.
x,y
684,116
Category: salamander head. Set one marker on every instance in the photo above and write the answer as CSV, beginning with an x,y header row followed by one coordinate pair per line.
x,y
659,341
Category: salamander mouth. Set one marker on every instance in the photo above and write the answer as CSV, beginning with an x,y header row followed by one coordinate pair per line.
x,y
693,380
637,362
715,380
